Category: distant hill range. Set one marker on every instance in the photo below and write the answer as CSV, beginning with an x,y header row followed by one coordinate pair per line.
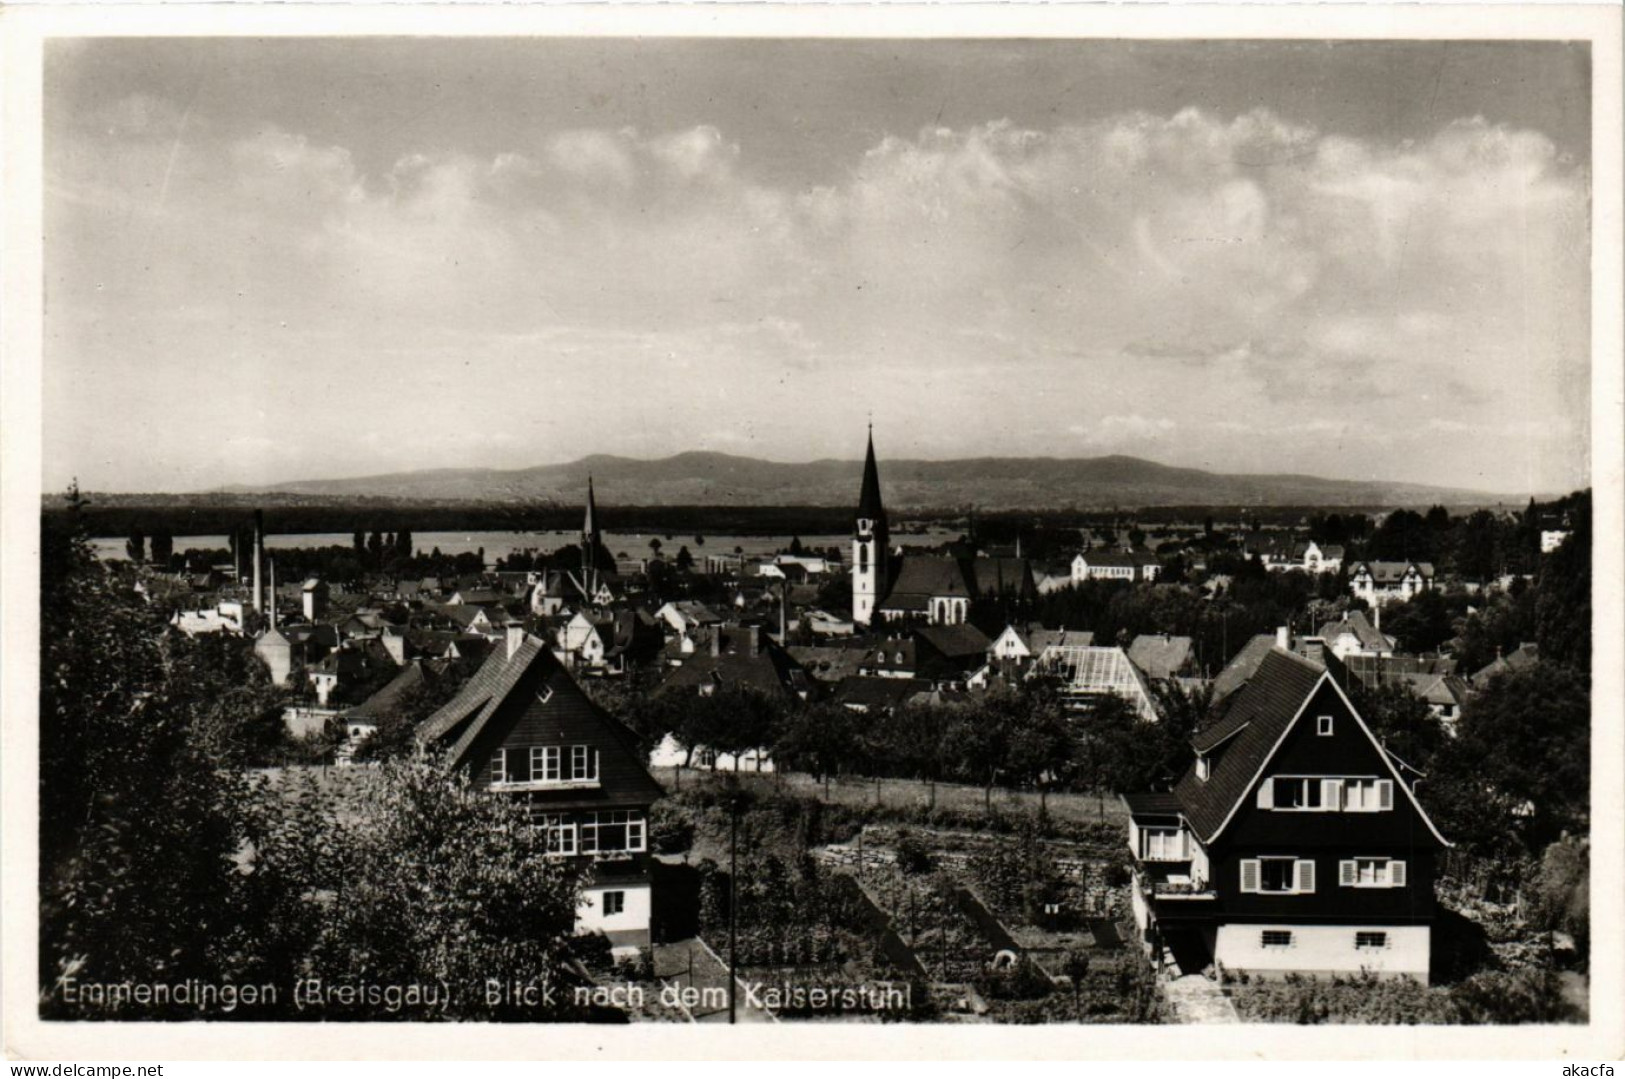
x,y
988,483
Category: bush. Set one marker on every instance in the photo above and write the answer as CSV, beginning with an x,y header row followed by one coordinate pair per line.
x,y
912,856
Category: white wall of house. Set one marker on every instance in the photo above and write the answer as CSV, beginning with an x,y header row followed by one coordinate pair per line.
x,y
633,917
1324,950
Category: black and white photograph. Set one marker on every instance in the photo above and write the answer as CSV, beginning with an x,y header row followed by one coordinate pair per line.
x,y
883,530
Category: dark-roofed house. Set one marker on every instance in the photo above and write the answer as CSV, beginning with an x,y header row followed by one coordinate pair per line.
x,y
1293,844
739,656
523,729
949,653
1525,655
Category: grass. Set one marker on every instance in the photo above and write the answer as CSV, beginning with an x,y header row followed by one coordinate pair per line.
x,y
913,794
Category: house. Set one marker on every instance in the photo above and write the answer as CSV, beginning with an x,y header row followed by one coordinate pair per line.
x,y
1292,845
1103,565
738,656
1554,529
1444,694
684,616
1380,583
1521,657
550,593
522,728
607,642
1322,558
1355,635
877,695
1162,656
949,653
361,721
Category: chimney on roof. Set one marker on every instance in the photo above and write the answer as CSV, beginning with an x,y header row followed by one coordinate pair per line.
x,y
753,640
716,640
515,637
1283,637
259,555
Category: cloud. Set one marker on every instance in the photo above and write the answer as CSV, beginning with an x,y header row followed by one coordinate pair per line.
x,y
1163,268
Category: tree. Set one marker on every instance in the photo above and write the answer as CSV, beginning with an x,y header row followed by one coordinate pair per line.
x,y
654,546
163,547
1422,623
685,561
421,880
1563,609
136,839
1517,776
136,546
403,544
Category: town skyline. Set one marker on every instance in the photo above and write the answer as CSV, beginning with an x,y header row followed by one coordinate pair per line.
x,y
1366,259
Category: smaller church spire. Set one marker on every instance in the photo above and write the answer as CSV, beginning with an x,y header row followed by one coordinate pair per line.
x,y
589,531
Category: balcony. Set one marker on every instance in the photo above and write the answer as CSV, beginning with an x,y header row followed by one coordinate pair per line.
x,y
1181,888
1171,881
521,786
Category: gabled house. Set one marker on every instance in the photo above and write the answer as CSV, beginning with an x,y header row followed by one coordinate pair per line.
x,y
1293,844
1380,583
1355,635
1322,558
522,728
1525,655
1162,656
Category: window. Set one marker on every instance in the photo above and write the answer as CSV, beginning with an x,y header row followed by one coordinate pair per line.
x,y
1161,845
583,762
1323,725
1276,938
1371,873
863,556
1297,793
1373,941
610,831
614,903
1278,875
499,766
1368,795
544,764
561,834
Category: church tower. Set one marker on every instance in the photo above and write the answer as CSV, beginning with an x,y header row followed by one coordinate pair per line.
x,y
869,544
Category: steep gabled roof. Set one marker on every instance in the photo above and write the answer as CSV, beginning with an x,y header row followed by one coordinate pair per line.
x,y
926,576
1357,624
1159,655
955,641
1242,666
1257,718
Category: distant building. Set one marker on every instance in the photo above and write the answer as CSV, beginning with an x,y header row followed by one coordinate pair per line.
x,y
313,598
1381,583
1554,529
1104,565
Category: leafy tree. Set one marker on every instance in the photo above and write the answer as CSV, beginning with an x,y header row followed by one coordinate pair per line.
x,y
1563,890
1421,624
685,561
1518,774
654,546
416,877
163,547
1563,609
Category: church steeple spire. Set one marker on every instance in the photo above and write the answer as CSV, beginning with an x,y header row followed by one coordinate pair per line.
x,y
590,538
869,506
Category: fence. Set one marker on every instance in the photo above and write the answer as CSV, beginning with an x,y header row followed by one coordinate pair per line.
x,y
913,794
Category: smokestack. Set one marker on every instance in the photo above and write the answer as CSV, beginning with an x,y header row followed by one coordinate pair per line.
x,y
259,555
273,593
1283,638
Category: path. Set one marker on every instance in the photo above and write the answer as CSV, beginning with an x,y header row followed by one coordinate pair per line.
x,y
1195,999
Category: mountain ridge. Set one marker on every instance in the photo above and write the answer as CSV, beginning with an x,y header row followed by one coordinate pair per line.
x,y
704,477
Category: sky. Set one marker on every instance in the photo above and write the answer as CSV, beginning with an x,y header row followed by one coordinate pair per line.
x,y
286,259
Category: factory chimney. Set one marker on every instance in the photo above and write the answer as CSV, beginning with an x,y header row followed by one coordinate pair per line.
x,y
259,556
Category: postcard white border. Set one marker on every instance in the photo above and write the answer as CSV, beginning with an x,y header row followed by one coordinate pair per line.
x,y
24,31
